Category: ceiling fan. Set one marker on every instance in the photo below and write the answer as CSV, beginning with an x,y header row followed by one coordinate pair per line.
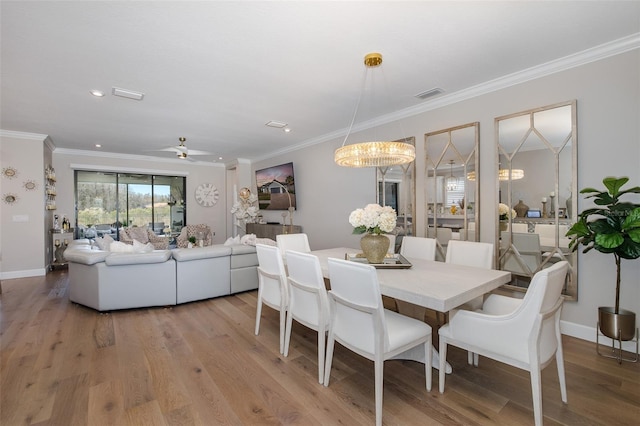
x,y
183,152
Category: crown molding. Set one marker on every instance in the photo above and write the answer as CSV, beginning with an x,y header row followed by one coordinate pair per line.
x,y
584,57
120,156
22,135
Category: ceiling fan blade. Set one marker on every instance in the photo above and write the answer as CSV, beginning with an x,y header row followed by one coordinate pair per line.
x,y
169,148
196,152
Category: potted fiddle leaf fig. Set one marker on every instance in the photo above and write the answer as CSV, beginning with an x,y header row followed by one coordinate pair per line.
x,y
612,227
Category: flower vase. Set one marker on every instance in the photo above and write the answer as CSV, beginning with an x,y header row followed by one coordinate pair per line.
x,y
504,225
374,247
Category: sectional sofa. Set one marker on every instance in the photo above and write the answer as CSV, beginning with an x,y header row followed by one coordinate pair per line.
x,y
108,281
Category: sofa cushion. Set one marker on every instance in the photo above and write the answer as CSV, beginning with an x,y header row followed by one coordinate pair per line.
x,y
242,249
183,254
158,256
104,242
139,234
85,256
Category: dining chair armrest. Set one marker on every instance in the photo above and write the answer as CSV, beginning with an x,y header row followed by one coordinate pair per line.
x,y
496,304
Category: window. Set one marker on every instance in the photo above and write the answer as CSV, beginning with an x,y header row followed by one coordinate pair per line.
x,y
107,201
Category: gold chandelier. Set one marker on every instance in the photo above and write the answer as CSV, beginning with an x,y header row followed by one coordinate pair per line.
x,y
503,174
373,154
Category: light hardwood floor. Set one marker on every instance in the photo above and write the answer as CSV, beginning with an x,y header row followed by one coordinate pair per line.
x,y
200,363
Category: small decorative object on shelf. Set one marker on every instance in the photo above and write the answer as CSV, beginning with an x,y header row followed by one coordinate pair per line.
x,y
373,221
521,209
50,188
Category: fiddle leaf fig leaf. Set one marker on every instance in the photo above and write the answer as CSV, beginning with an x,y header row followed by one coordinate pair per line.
x,y
609,241
614,184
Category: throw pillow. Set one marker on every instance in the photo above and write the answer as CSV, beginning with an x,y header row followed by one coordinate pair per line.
x,y
139,234
104,243
120,247
138,247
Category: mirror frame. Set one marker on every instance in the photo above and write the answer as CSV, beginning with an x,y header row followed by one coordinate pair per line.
x,y
571,290
475,154
406,168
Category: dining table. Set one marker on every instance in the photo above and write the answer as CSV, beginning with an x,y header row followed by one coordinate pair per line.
x,y
435,285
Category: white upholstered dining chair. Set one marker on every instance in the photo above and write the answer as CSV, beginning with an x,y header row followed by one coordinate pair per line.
x,y
308,302
360,323
418,247
295,242
478,255
524,333
272,286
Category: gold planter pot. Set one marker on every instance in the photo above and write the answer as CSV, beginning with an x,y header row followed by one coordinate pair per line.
x,y
620,326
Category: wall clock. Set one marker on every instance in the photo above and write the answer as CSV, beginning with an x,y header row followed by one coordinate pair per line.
x,y
207,194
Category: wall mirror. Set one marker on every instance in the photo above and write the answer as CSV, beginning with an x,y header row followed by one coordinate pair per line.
x,y
537,180
452,183
396,187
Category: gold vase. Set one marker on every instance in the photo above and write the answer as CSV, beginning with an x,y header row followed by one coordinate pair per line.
x,y
374,247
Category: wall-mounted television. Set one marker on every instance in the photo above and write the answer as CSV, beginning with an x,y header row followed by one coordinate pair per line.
x,y
276,187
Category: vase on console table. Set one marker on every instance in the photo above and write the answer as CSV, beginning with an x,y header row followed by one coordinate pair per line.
x,y
374,247
521,209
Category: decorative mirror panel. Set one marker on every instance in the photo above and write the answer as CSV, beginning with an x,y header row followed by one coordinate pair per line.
x,y
452,183
396,187
537,186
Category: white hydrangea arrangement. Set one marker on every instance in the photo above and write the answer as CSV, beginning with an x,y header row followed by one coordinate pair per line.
x,y
505,212
245,209
373,219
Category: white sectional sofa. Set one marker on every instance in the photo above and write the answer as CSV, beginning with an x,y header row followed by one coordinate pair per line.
x,y
109,281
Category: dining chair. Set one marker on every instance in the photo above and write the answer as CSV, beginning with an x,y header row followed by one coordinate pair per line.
x,y
308,302
272,286
295,242
470,253
524,333
360,323
419,247
520,227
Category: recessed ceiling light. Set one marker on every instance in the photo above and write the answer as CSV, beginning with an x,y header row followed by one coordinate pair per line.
x,y
286,129
97,93
98,145
219,158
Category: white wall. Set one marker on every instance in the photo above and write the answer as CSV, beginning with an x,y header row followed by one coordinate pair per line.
x,y
22,229
608,105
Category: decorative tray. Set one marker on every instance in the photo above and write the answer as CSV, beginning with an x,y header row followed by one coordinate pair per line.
x,y
391,261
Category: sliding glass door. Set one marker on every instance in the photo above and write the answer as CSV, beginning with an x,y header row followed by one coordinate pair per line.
x,y
107,201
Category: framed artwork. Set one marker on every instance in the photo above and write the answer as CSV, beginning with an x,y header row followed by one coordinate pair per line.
x,y
276,187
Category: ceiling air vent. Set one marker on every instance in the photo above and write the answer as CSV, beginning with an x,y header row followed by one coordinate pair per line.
x,y
429,93
129,94
276,124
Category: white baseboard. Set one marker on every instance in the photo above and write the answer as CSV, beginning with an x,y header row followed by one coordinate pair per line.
x,y
23,274
589,333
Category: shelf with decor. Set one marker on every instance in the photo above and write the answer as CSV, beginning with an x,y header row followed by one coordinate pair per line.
x,y
50,188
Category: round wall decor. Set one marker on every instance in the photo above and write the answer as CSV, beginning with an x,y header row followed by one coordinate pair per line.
x,y
10,198
30,185
207,194
9,172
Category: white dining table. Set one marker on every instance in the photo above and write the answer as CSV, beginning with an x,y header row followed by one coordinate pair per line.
x,y
435,285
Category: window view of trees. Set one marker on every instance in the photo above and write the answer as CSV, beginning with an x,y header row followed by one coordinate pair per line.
x,y
107,201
